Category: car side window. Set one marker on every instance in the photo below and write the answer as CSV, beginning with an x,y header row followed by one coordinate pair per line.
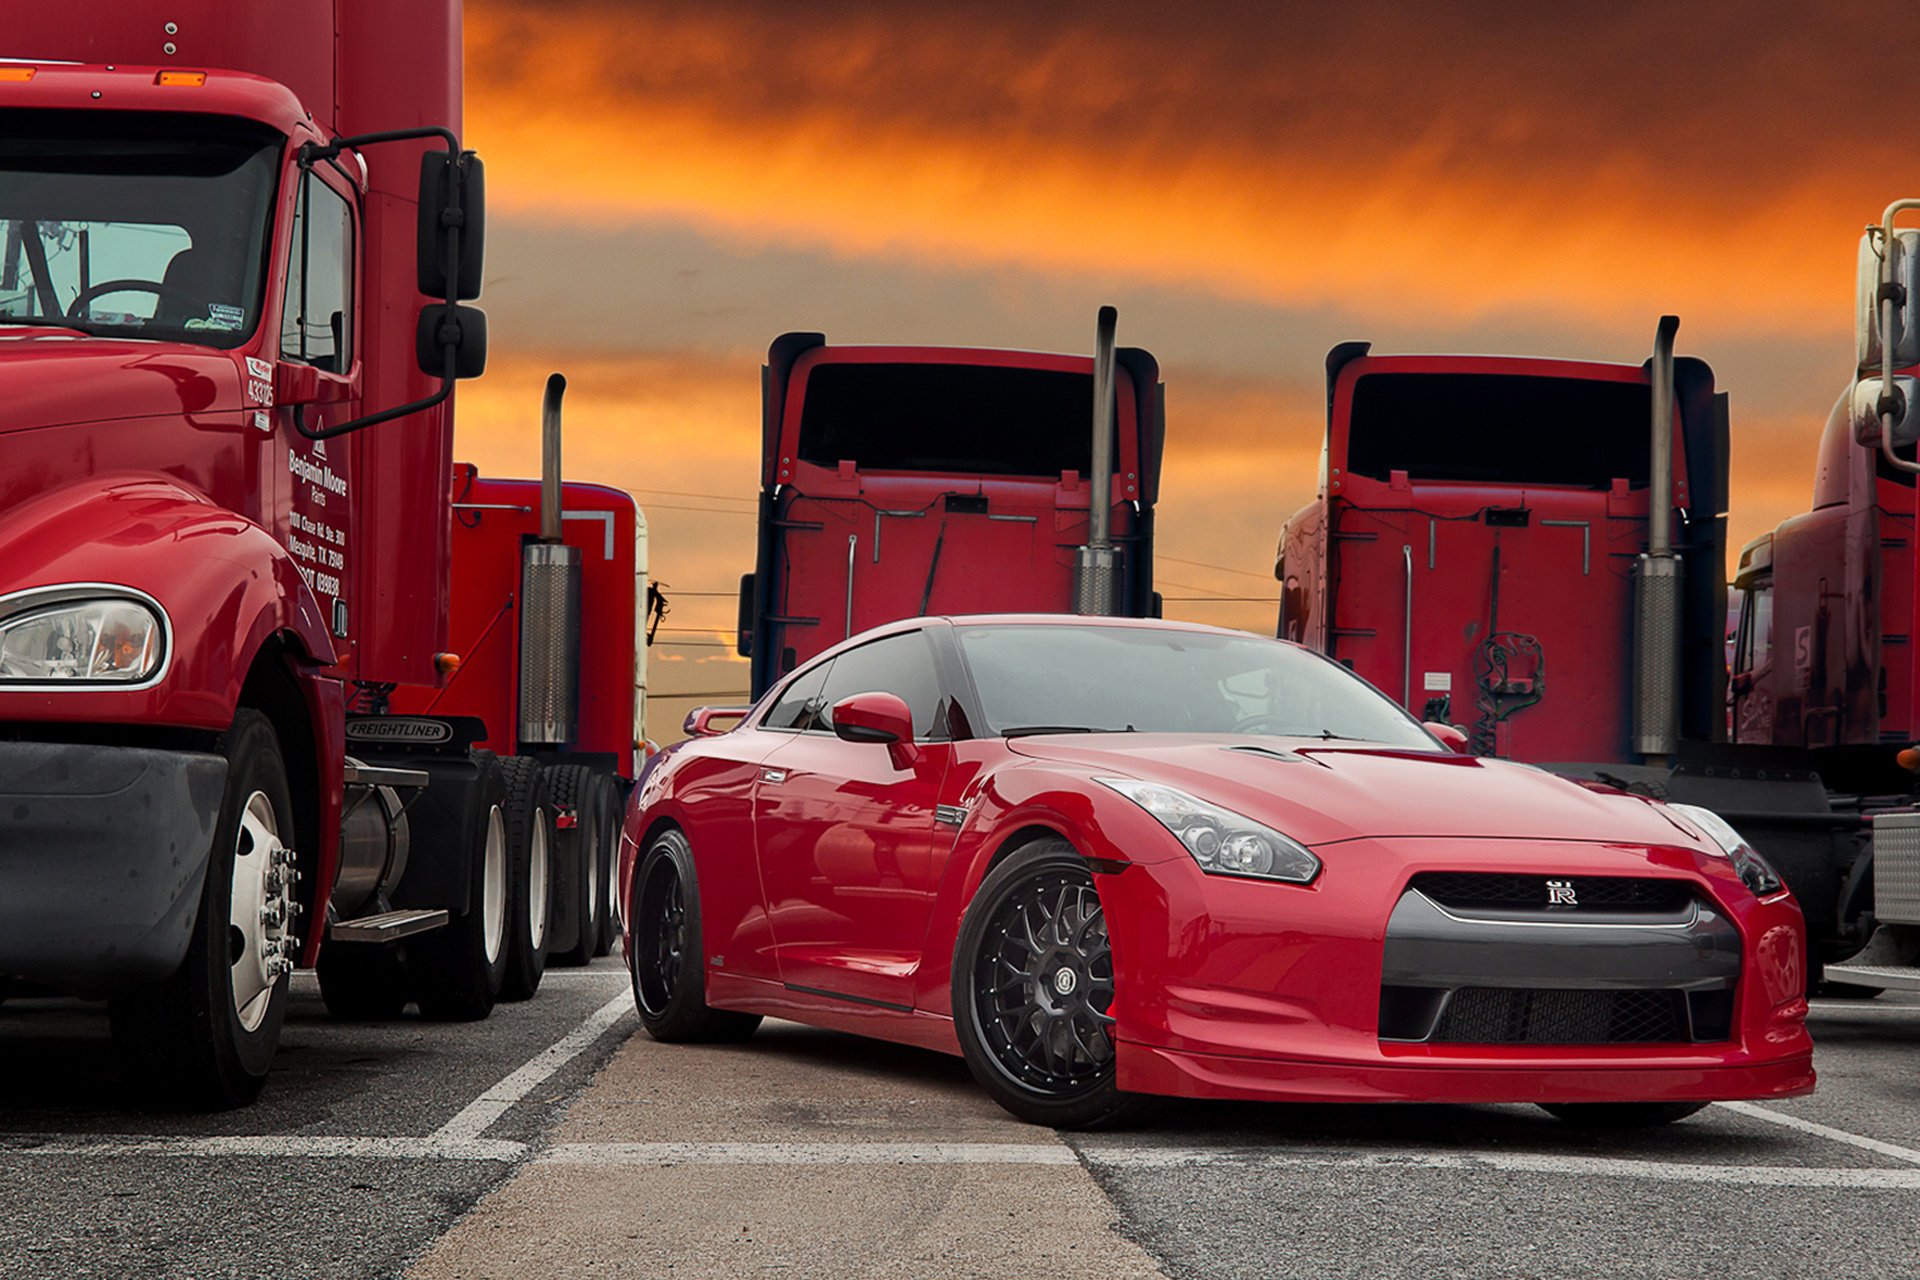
x,y
902,665
800,706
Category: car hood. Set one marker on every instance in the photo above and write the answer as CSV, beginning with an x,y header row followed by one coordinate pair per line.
x,y
1320,793
52,378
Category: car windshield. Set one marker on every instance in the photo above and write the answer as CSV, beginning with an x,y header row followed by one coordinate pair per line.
x,y
1065,678
135,225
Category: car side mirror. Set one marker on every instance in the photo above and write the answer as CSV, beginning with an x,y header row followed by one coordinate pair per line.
x,y
708,722
1453,739
878,718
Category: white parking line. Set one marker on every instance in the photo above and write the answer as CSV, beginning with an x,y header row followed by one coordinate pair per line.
x,y
276,1146
775,1153
1887,1149
666,1154
477,1116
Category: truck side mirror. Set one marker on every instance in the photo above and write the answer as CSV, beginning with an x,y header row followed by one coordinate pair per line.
x,y
463,329
1867,407
439,173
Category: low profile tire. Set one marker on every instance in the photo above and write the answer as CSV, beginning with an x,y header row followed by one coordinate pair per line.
x,y
1032,989
529,876
1614,1116
665,958
204,1039
456,970
362,983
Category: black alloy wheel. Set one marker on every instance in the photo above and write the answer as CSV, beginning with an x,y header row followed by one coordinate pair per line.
x,y
1033,990
664,951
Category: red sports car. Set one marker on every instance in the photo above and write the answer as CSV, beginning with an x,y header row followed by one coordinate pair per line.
x,y
1105,858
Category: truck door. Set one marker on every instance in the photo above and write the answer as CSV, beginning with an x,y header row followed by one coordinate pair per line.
x,y
317,331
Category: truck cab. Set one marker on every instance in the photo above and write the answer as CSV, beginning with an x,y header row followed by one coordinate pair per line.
x,y
900,481
235,244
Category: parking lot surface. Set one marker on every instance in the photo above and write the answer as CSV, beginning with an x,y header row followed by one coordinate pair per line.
x,y
555,1140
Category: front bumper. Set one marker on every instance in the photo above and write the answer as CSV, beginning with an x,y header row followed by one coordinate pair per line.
x,y
103,854
1240,989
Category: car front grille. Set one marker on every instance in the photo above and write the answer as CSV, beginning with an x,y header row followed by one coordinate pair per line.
x,y
1503,891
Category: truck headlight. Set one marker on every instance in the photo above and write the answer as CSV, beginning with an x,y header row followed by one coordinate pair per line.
x,y
1220,840
1755,871
109,641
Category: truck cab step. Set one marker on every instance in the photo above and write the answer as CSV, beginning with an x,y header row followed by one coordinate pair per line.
x,y
1888,977
388,926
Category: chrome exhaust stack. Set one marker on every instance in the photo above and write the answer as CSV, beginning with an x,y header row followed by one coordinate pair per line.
x,y
1096,565
549,603
1657,579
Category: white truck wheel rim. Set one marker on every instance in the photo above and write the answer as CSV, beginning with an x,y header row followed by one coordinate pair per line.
x,y
260,911
493,887
537,883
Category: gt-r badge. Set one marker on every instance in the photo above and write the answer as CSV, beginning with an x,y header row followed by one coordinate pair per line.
x,y
1560,894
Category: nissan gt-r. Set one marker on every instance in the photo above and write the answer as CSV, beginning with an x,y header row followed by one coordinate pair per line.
x,y
1107,858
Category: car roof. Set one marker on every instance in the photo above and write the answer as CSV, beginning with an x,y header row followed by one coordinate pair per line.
x,y
1030,620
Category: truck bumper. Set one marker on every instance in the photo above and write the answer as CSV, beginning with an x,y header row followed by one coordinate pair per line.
x,y
103,852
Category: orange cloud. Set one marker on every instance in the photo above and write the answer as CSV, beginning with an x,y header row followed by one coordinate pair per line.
x,y
1571,164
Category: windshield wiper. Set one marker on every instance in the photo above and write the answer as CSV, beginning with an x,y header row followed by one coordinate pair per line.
x,y
1030,730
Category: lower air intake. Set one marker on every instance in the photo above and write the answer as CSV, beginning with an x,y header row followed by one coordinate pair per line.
x,y
1490,1015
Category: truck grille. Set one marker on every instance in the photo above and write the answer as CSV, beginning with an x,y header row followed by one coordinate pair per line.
x,y
1490,1015
1498,891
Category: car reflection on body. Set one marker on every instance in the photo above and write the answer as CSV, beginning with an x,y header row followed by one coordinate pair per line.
x,y
1108,858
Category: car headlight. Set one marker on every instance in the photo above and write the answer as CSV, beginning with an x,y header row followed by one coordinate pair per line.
x,y
1220,840
1755,871
91,641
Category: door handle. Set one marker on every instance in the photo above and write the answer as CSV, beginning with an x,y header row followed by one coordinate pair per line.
x,y
773,775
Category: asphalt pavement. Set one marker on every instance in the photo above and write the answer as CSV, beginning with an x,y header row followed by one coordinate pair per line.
x,y
555,1140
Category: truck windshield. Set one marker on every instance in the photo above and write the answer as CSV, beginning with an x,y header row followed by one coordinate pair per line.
x,y
135,225
1066,678
1473,428
965,419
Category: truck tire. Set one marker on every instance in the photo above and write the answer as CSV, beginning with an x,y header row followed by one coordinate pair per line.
x,y
610,871
529,876
204,1038
362,983
456,971
575,927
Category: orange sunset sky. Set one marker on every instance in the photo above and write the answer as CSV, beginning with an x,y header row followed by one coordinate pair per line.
x,y
672,185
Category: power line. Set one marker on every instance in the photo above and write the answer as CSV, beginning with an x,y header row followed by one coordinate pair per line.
x,y
1202,564
683,493
1221,599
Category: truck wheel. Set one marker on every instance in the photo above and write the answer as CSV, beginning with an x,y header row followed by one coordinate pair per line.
x,y
576,886
609,910
529,876
665,958
361,983
456,971
204,1038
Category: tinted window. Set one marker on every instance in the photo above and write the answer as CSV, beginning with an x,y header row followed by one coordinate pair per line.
x,y
316,325
1500,429
799,702
1756,642
1158,680
978,420
900,665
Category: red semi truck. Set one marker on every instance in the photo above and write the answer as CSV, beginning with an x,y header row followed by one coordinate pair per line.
x,y
1535,550
900,481
1823,659
235,242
